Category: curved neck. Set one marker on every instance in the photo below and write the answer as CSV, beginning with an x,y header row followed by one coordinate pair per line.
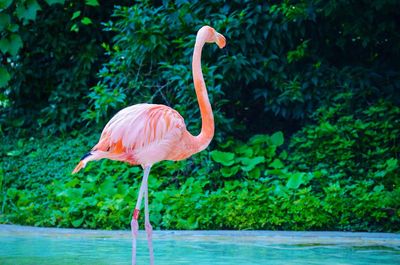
x,y
207,118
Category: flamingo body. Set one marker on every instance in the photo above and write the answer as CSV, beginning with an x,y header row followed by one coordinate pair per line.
x,y
144,134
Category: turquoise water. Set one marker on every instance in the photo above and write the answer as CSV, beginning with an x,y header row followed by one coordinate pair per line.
x,y
16,248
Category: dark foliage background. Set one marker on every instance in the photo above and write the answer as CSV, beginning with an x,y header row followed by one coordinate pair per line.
x,y
305,95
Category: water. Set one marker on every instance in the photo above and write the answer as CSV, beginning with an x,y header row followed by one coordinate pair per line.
x,y
22,246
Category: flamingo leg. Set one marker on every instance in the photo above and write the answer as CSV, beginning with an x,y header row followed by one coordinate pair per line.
x,y
135,216
148,227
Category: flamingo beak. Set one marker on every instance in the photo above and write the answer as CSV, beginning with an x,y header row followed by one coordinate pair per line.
x,y
220,40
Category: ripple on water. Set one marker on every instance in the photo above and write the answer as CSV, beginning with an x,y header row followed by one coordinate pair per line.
x,y
44,250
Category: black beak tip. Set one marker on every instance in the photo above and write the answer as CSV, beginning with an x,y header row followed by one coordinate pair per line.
x,y
86,155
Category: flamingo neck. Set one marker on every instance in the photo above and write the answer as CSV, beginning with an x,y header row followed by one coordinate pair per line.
x,y
207,117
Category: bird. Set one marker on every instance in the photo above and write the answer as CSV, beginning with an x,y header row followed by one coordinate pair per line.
x,y
144,134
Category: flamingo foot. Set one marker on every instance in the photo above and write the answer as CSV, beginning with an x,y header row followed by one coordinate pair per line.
x,y
149,232
135,231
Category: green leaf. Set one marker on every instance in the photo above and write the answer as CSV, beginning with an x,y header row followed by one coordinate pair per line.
x,y
276,164
245,150
14,153
250,163
255,173
1,178
4,21
277,139
72,183
276,172
92,2
75,15
78,222
15,44
107,187
5,3
4,77
258,139
224,158
295,180
280,190
52,2
13,27
11,45
86,21
4,45
12,193
28,10
227,143
391,164
74,28
229,171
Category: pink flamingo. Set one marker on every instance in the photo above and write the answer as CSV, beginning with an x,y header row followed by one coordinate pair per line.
x,y
145,134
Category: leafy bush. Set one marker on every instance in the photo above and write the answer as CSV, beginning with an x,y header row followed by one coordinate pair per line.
x,y
358,152
356,143
150,62
282,60
237,186
52,60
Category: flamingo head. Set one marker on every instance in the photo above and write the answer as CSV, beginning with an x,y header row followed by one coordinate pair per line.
x,y
210,35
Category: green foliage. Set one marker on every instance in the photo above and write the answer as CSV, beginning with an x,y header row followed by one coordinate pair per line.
x,y
4,76
92,2
358,151
250,159
224,158
237,186
51,2
293,68
11,44
26,10
352,143
331,66
46,68
283,60
150,62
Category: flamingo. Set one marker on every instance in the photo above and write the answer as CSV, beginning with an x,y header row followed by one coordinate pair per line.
x,y
145,134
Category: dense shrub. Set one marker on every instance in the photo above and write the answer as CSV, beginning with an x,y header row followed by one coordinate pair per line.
x,y
283,61
352,143
358,150
54,62
150,61
237,186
